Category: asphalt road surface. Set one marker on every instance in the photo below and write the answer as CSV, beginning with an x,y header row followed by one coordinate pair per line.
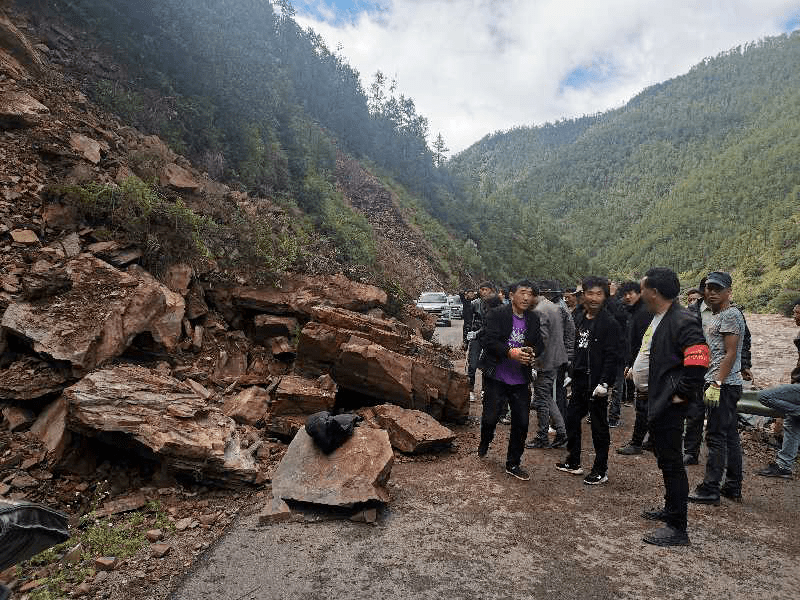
x,y
458,527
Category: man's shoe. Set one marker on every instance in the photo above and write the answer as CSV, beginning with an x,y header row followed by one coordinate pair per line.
x,y
595,478
773,470
630,449
518,472
536,443
657,514
506,420
568,468
612,423
731,494
702,496
648,445
559,442
472,396
690,459
667,536
483,448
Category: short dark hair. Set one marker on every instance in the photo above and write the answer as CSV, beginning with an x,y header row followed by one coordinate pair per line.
x,y
551,287
693,291
524,283
594,281
663,280
493,300
701,287
630,286
487,284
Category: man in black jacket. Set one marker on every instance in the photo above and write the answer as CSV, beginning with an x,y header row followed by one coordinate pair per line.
x,y
638,320
597,343
510,342
674,357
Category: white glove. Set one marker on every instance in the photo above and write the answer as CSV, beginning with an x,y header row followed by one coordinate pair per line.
x,y
601,390
471,335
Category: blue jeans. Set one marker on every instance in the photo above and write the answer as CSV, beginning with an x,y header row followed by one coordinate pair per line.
x,y
785,398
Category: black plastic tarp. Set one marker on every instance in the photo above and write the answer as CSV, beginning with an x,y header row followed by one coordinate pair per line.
x,y
26,529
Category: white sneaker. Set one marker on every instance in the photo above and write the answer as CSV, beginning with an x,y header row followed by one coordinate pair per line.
x,y
472,396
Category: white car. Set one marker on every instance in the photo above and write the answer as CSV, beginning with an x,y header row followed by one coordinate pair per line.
x,y
456,308
436,303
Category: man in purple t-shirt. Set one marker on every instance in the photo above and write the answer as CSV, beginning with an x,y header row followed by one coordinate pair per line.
x,y
511,341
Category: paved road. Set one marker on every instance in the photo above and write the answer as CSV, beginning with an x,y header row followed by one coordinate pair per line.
x,y
458,527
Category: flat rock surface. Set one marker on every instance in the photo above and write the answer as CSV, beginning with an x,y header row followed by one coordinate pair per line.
x,y
410,430
355,472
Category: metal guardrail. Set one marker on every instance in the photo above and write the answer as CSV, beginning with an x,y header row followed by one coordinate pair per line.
x,y
749,405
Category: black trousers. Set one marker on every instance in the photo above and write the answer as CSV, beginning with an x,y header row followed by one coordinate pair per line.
x,y
581,403
640,424
667,435
496,395
724,446
695,416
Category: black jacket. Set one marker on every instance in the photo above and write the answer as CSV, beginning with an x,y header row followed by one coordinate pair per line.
x,y
497,328
747,357
604,346
638,321
669,375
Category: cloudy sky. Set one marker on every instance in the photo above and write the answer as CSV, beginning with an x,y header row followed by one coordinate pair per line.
x,y
477,66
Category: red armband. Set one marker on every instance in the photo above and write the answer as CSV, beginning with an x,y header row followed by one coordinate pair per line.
x,y
696,356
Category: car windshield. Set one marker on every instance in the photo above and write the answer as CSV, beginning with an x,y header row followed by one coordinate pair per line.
x,y
433,298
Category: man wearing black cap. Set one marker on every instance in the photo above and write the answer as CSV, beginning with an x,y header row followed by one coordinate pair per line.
x,y
724,333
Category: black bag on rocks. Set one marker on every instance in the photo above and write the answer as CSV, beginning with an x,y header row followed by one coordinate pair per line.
x,y
26,529
329,432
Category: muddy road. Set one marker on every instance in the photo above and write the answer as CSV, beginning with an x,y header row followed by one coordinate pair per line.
x,y
458,527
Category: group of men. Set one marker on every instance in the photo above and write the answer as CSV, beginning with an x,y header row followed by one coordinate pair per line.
x,y
682,365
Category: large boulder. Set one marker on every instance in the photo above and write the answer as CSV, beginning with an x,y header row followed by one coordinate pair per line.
x,y
300,396
92,322
163,415
355,473
29,378
17,52
248,406
358,364
20,109
410,431
299,294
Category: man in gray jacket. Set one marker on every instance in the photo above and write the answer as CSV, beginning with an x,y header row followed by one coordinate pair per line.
x,y
554,355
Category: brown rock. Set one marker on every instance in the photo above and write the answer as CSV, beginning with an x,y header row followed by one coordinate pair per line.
x,y
275,511
19,49
158,412
411,431
270,326
199,389
115,253
86,147
24,236
281,348
167,327
68,246
230,365
51,428
355,472
183,524
153,535
31,585
300,396
105,563
23,481
82,590
73,555
197,338
368,515
248,406
92,322
19,109
60,216
17,418
299,294
160,550
208,519
29,378
178,178
178,277
133,501
196,305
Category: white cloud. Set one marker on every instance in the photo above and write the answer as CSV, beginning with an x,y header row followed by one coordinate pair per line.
x,y
476,66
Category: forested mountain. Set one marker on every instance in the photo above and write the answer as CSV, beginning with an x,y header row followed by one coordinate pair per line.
x,y
255,101
700,172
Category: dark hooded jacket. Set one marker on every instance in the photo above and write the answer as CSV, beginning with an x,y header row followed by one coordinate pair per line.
x,y
605,346
497,328
678,360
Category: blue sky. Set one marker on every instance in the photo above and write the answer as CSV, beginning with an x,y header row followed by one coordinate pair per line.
x,y
477,66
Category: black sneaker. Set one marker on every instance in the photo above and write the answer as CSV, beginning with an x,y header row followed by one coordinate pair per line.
x,y
731,493
518,472
701,495
483,448
612,423
559,442
630,449
773,470
568,468
536,443
667,536
595,478
656,514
